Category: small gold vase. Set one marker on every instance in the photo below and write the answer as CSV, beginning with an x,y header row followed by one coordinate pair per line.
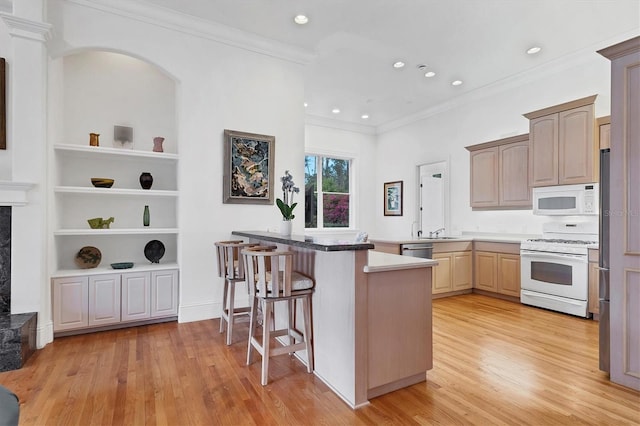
x,y
94,139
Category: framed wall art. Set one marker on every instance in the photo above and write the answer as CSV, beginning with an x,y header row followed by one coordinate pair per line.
x,y
393,198
3,105
248,168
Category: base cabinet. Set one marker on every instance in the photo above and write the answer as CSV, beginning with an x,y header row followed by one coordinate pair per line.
x,y
91,301
453,272
498,270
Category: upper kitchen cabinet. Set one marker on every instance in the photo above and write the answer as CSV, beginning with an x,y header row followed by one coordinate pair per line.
x,y
562,144
500,173
604,132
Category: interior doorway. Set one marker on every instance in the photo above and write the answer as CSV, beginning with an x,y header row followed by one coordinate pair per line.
x,y
433,205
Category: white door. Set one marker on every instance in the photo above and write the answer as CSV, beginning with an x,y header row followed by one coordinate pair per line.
x,y
104,299
164,293
136,296
433,197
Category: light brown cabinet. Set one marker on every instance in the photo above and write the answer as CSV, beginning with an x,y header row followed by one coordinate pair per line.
x,y
500,173
562,144
486,271
453,272
604,132
497,268
509,274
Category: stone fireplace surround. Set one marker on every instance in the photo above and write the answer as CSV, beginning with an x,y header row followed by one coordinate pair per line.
x,y
17,331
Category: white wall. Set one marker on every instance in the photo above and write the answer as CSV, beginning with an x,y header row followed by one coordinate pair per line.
x,y
5,52
217,87
362,148
481,117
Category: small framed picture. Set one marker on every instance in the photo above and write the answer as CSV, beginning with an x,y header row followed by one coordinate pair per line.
x,y
393,198
248,168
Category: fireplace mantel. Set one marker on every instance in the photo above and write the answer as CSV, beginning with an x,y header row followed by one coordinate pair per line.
x,y
14,193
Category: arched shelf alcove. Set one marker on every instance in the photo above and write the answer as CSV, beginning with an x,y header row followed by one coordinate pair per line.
x,y
104,92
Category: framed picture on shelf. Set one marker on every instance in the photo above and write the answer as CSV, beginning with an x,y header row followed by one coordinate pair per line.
x,y
248,168
3,105
393,198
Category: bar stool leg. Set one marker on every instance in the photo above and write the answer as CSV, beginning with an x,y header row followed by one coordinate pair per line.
x,y
266,337
231,311
306,308
253,321
291,321
224,305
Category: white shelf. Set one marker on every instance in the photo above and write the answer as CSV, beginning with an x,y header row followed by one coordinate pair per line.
x,y
114,152
115,231
115,191
107,269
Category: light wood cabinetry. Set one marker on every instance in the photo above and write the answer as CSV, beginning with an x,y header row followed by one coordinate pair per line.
x,y
454,271
497,268
509,274
562,144
85,302
624,250
604,132
594,281
500,173
462,270
486,271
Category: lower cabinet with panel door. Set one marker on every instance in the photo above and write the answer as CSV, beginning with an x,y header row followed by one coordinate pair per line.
x,y
82,303
454,270
497,268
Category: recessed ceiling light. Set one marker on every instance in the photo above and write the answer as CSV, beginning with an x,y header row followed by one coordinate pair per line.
x,y
336,110
398,64
305,104
429,74
533,50
365,116
456,82
300,19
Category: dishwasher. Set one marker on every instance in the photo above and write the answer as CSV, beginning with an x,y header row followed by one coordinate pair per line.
x,y
423,250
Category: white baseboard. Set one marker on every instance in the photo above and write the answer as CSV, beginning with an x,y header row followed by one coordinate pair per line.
x,y
44,334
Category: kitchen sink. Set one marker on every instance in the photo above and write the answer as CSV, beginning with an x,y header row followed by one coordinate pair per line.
x,y
439,238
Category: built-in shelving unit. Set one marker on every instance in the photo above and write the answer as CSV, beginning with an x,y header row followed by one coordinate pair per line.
x,y
77,200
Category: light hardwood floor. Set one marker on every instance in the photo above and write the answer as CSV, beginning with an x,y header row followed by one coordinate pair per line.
x,y
495,362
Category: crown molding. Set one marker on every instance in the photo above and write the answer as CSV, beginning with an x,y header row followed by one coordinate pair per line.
x,y
156,15
26,28
315,120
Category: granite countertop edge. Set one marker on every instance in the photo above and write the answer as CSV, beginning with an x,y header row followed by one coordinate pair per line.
x,y
303,242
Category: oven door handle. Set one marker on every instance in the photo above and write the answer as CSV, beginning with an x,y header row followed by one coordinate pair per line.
x,y
558,256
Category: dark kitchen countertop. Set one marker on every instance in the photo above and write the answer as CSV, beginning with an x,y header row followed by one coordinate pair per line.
x,y
306,241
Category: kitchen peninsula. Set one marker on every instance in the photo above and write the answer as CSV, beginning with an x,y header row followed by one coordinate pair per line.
x,y
372,329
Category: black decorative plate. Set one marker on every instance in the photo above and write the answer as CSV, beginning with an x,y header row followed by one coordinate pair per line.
x,y
154,250
122,265
88,257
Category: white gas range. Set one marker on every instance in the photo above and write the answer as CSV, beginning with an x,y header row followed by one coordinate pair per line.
x,y
555,269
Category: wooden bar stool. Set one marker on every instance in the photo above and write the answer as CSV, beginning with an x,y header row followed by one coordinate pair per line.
x,y
271,279
231,268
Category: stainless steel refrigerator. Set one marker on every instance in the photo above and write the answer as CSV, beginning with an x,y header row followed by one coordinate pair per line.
x,y
603,262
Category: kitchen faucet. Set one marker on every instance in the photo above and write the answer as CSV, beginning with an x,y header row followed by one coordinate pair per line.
x,y
434,234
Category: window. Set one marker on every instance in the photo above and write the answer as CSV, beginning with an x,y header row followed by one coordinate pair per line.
x,y
332,186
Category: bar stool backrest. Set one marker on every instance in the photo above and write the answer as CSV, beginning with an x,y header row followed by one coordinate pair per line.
x,y
229,257
269,273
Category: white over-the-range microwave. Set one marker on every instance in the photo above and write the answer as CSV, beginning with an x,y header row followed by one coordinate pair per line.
x,y
566,200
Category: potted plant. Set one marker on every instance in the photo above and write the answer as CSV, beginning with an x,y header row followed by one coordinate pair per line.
x,y
286,204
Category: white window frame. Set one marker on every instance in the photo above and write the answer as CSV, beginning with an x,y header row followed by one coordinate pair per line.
x,y
352,192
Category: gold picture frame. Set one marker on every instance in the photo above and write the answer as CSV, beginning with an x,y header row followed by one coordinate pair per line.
x,y
393,198
248,168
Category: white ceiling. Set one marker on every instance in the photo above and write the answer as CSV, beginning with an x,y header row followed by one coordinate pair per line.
x,y
355,42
